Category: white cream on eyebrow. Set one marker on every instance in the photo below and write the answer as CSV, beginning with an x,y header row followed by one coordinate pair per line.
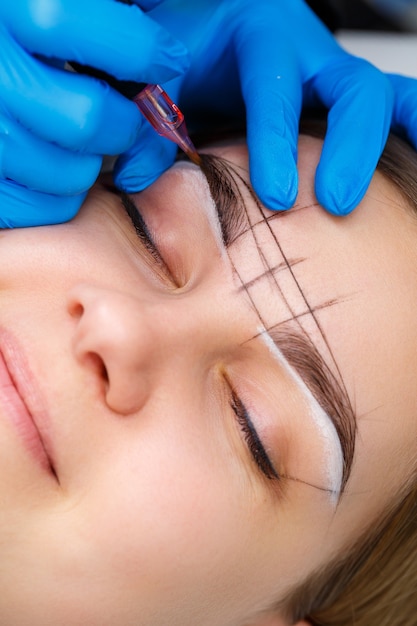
x,y
324,425
196,182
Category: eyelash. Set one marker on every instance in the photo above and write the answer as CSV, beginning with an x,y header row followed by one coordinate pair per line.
x,y
144,235
252,439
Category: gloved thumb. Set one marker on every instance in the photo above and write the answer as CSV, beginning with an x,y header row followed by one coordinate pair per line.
x,y
144,162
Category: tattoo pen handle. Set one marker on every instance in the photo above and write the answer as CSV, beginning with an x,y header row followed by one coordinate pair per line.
x,y
154,103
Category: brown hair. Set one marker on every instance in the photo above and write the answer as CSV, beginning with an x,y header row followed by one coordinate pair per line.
x,y
375,583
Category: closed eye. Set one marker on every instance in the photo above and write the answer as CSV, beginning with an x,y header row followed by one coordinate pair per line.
x,y
252,438
146,238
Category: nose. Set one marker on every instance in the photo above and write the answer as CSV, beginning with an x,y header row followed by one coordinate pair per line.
x,y
117,336
127,341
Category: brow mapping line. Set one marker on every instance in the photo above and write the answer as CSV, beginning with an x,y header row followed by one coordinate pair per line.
x,y
277,268
292,312
277,214
294,209
261,253
244,287
319,307
290,269
269,218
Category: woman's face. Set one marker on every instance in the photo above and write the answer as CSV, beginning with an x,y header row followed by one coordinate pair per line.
x,y
183,472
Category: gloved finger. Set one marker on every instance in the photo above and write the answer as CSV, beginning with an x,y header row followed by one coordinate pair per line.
x,y
73,111
115,37
45,167
144,162
405,108
24,207
272,93
360,99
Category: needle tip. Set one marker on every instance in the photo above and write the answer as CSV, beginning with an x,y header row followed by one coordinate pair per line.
x,y
194,157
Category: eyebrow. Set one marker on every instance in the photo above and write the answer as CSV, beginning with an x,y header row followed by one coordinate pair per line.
x,y
296,346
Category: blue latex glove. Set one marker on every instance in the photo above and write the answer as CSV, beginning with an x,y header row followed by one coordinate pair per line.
x,y
55,126
271,58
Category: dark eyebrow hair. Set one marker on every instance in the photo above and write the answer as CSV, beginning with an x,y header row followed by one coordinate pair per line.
x,y
296,345
226,196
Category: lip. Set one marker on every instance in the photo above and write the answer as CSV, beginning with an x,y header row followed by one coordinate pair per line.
x,y
21,404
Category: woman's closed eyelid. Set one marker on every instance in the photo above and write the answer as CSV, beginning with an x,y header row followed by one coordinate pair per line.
x,y
144,235
253,441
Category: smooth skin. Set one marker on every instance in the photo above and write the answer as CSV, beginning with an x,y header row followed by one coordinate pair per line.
x,y
157,513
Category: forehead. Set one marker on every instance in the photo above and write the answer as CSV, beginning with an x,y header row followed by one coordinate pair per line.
x,y
312,261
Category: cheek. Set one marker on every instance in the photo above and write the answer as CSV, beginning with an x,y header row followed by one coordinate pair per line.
x,y
169,517
162,506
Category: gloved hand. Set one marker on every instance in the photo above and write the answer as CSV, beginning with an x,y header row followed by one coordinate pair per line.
x,y
271,58
55,126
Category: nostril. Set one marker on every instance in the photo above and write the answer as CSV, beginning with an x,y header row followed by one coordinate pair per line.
x,y
76,309
104,373
114,344
96,363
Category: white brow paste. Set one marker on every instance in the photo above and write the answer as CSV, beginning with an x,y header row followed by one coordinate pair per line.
x,y
323,423
197,183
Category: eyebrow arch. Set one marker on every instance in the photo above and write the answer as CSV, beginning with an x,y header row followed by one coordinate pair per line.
x,y
296,346
306,360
